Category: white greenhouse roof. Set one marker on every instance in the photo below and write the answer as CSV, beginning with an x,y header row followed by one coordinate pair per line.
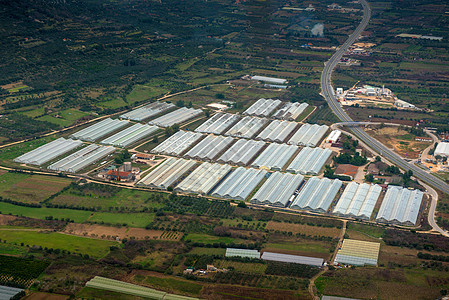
x,y
275,156
442,149
239,184
400,206
308,135
99,130
269,79
309,161
290,111
358,200
232,252
317,194
278,190
296,259
247,127
242,152
176,117
209,147
48,152
262,107
204,178
130,135
147,111
218,123
178,143
277,131
167,173
358,253
82,158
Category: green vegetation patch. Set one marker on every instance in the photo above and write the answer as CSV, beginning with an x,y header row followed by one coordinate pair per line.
x,y
130,219
79,216
91,293
252,268
208,251
9,153
55,240
174,285
369,230
19,271
313,248
207,239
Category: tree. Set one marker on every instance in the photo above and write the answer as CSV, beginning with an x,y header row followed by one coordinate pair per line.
x,y
369,177
242,204
378,158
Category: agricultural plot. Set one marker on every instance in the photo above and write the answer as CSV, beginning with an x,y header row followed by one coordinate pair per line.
x,y
203,179
290,111
247,127
249,268
303,229
262,107
176,117
130,135
99,130
147,111
218,123
278,190
308,135
241,152
275,156
177,143
309,161
209,147
20,271
277,131
27,188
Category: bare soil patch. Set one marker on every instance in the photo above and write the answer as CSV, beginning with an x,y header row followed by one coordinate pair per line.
x,y
304,229
5,219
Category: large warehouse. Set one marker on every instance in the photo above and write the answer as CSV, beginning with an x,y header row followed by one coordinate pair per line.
x,y
275,156
130,135
358,200
239,184
48,152
317,195
308,135
262,107
218,124
99,130
278,189
210,147
82,158
277,131
178,143
442,149
247,127
147,111
309,161
290,111
358,253
176,117
400,206
242,152
167,173
203,179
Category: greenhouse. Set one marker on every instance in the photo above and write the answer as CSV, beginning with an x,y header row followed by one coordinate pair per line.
x,y
309,161
210,147
233,252
130,135
82,158
295,259
262,107
147,111
218,124
176,117
275,156
278,190
48,152
317,195
247,127
178,143
400,206
358,253
167,173
204,178
358,200
239,184
99,130
277,131
242,152
308,135
290,111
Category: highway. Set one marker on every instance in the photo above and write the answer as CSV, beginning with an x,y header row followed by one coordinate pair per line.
x,y
327,92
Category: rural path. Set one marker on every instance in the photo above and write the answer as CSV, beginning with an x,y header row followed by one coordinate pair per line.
x,y
312,288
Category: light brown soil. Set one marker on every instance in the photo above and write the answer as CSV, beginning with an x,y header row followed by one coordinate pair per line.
x,y
107,232
45,296
301,228
4,219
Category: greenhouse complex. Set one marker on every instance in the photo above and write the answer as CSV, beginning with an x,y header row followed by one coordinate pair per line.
x,y
358,253
265,158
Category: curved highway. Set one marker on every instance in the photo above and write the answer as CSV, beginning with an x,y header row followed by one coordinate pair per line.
x,y
327,92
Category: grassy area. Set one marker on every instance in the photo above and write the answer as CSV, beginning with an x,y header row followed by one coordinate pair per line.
x,y
207,239
34,112
208,251
372,231
113,103
30,188
78,216
298,247
55,240
251,268
173,285
144,92
64,118
130,219
9,249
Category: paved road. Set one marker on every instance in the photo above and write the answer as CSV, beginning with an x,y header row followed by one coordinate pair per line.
x,y
328,93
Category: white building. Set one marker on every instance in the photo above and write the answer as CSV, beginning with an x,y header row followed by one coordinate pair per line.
x,y
333,136
269,79
403,104
442,149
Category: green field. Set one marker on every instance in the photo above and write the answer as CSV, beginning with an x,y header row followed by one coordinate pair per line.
x,y
9,249
74,244
173,285
79,216
64,118
14,151
298,247
207,239
371,231
113,103
145,92
91,293
30,188
251,268
130,219
208,251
